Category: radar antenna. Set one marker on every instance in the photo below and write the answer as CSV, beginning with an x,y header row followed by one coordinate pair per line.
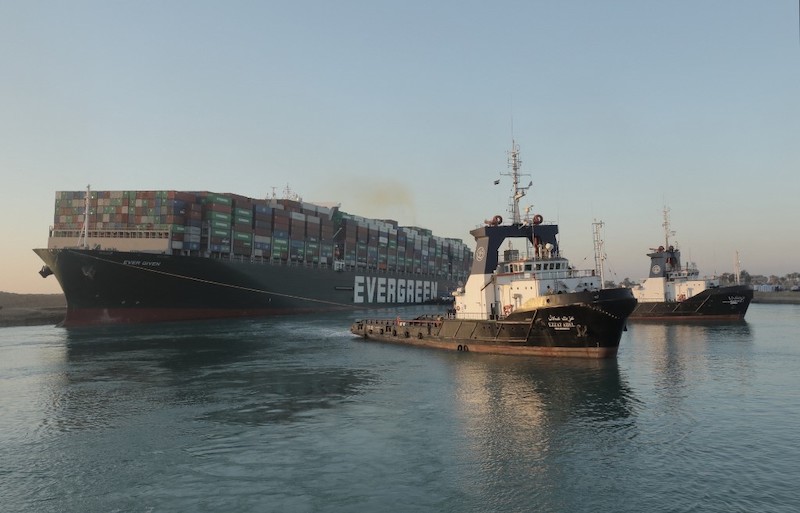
x,y
599,252
518,192
737,266
667,231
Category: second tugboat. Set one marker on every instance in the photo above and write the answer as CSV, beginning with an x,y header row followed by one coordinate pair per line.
x,y
674,291
535,305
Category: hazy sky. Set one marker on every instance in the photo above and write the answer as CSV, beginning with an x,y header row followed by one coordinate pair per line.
x,y
406,109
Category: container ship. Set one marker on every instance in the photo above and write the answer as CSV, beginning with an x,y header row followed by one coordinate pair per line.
x,y
530,301
675,291
150,256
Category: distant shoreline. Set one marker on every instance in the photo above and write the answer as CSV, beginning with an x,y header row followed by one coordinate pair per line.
x,y
43,309
775,298
31,309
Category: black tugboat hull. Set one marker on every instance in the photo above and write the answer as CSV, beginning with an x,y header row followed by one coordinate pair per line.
x,y
584,324
722,303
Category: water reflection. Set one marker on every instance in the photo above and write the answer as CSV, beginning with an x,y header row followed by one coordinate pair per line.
x,y
517,413
510,387
228,372
689,356
673,347
693,333
297,415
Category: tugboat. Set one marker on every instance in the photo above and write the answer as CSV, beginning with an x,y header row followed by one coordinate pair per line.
x,y
534,305
674,291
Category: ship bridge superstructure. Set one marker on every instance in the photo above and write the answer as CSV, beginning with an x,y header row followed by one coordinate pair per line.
x,y
669,280
499,285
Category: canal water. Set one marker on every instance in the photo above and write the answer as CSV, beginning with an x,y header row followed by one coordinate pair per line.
x,y
294,414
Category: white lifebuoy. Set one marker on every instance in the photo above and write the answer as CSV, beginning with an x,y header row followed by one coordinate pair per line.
x,y
458,307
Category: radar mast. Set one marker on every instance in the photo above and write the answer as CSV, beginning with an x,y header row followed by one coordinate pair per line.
x,y
517,192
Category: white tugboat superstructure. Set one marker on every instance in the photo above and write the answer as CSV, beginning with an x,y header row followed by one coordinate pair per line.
x,y
534,304
497,287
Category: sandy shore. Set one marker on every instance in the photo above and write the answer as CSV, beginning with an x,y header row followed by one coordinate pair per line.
x,y
31,309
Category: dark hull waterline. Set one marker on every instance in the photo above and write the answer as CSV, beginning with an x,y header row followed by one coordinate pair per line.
x,y
585,325
722,303
110,287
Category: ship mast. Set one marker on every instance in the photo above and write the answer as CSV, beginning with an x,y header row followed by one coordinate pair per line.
x,y
737,264
599,252
518,192
667,231
83,239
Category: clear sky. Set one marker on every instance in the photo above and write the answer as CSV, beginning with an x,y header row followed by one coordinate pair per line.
x,y
406,109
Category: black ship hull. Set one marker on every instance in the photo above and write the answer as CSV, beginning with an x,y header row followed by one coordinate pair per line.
x,y
721,303
111,287
581,324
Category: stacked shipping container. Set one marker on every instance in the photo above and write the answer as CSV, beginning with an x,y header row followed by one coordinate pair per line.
x,y
207,223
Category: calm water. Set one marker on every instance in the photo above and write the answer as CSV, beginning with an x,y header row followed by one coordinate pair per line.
x,y
295,414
